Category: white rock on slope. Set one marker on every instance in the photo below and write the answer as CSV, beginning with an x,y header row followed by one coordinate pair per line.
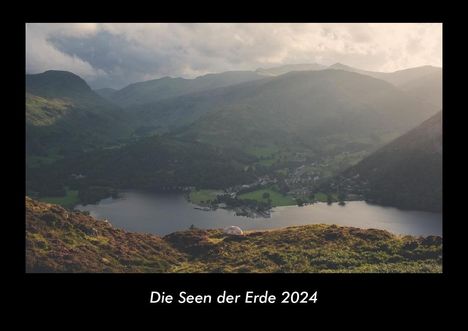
x,y
234,230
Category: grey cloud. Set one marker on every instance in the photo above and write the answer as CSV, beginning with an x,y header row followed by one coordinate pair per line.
x,y
114,55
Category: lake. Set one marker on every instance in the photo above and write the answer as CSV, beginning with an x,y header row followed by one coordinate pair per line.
x,y
165,213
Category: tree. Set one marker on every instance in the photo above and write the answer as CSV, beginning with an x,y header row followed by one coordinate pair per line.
x,y
266,195
341,198
329,199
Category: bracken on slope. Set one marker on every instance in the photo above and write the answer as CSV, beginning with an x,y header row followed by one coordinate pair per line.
x,y
59,240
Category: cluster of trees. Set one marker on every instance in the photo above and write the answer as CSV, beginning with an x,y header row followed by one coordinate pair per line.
x,y
259,206
93,194
154,163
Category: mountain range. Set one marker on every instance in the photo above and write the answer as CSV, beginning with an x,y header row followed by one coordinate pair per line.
x,y
163,104
412,80
424,83
213,122
314,109
243,141
280,70
146,92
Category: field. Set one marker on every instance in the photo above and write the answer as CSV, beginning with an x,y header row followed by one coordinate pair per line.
x,y
277,199
267,155
68,201
200,197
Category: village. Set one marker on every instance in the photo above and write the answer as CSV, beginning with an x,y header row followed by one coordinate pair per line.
x,y
299,183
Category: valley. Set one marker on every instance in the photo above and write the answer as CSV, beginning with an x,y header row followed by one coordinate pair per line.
x,y
312,154
321,134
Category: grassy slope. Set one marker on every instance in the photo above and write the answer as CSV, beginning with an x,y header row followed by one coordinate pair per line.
x,y
64,116
406,173
61,241
43,112
267,154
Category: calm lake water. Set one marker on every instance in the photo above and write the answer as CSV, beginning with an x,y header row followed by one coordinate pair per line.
x,y
166,213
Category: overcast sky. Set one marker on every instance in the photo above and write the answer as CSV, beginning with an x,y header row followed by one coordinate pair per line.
x,y
114,55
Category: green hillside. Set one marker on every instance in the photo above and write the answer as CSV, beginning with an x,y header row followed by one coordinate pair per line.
x,y
154,163
325,111
64,116
406,173
236,132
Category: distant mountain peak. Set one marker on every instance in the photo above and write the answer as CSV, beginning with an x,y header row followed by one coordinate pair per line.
x,y
53,83
60,75
338,64
58,72
342,66
283,69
